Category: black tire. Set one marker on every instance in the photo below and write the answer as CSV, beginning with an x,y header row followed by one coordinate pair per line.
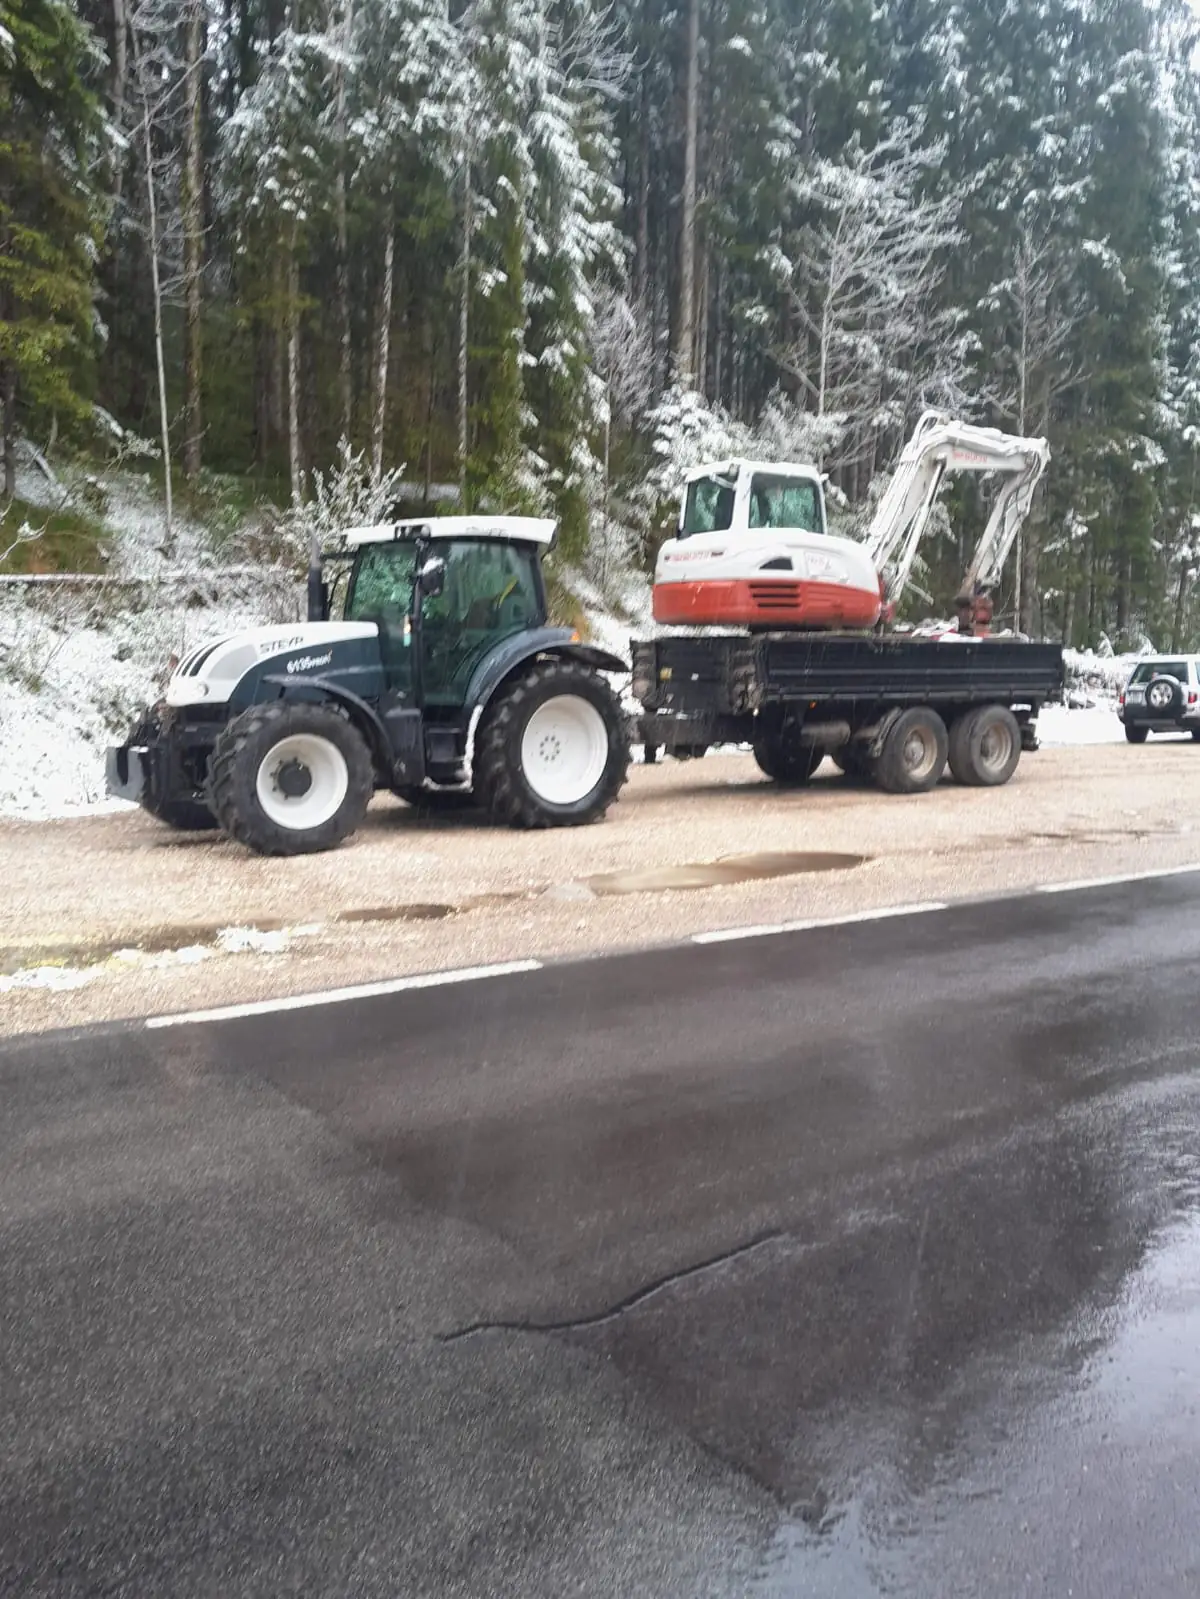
x,y
1138,735
184,815
784,759
505,789
242,748
853,763
985,746
1196,735
913,756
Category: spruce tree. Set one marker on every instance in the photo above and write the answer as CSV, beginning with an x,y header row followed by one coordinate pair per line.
x,y
49,218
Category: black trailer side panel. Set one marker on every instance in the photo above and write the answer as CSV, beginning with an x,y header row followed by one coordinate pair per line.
x,y
730,675
907,670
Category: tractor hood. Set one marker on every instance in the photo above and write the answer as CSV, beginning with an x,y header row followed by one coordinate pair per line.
x,y
210,674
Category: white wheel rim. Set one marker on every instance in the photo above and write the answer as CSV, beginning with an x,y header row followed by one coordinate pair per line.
x,y
286,766
564,749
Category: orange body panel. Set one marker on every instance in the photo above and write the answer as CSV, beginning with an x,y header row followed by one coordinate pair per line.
x,y
763,602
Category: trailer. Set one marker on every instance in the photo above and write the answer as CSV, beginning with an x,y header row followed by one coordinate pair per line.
x,y
893,709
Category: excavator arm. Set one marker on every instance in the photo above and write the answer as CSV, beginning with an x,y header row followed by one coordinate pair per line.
x,y
940,445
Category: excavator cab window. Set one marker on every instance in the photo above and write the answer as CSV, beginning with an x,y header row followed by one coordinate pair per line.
x,y
784,502
708,507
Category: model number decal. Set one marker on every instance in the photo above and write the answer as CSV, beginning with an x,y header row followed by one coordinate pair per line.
x,y
305,663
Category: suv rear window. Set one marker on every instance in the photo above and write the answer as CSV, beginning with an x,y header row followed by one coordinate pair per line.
x,y
1148,669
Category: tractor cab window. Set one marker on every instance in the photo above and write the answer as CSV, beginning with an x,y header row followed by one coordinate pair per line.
x,y
708,507
381,592
383,582
491,591
784,502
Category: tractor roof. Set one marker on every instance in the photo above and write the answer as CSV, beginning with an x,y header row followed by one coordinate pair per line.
x,y
506,529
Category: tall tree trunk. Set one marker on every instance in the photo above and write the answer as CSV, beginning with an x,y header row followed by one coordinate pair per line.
x,y
685,335
345,369
120,76
1027,577
156,290
295,464
1180,606
464,315
8,397
191,201
383,337
641,256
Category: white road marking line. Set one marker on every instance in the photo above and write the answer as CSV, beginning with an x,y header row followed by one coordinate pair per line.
x,y
727,935
1117,880
339,996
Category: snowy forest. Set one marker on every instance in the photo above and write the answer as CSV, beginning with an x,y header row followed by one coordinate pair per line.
x,y
538,254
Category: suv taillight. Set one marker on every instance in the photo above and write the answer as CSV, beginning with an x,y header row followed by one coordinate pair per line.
x,y
1121,701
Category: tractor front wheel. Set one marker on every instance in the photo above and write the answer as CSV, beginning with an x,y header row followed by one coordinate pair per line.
x,y
290,779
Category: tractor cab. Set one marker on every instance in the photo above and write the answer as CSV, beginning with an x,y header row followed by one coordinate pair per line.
x,y
443,594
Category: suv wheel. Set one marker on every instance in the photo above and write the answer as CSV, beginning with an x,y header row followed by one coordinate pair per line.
x,y
1137,735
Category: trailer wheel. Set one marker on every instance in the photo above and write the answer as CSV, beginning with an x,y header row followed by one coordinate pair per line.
x,y
290,779
853,763
913,757
985,746
552,748
785,760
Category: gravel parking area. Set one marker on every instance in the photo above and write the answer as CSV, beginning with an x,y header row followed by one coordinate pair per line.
x,y
115,916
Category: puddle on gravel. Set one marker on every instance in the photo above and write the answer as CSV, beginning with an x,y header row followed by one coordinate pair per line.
x,y
716,874
397,913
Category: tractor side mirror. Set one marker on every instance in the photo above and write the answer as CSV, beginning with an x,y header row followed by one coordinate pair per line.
x,y
433,576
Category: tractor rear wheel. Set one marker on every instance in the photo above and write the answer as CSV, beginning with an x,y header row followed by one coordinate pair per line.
x,y
552,749
290,779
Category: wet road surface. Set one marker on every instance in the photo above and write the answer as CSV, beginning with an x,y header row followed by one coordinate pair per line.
x,y
851,1262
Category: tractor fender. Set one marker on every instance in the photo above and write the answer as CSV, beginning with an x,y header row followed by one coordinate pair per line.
x,y
320,691
503,660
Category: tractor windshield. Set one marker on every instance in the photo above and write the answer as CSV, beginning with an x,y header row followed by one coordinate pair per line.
x,y
708,507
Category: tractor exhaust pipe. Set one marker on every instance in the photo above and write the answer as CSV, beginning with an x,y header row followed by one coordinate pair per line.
x,y
318,597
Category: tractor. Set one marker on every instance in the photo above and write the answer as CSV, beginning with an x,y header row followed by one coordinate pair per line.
x,y
442,681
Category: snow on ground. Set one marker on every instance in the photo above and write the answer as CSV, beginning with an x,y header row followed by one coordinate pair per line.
x,y
1091,724
229,941
78,664
72,681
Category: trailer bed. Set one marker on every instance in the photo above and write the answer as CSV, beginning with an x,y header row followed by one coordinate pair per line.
x,y
830,690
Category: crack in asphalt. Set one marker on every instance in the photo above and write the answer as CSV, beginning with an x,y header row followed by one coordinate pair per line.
x,y
631,1301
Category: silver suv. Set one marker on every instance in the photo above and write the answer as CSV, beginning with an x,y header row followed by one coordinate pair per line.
x,y
1162,696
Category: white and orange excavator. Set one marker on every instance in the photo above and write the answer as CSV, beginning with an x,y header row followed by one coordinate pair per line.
x,y
752,548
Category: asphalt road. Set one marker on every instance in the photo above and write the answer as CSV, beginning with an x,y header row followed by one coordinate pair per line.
x,y
850,1262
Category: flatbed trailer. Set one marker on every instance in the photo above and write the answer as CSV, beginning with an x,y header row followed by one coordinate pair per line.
x,y
888,707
